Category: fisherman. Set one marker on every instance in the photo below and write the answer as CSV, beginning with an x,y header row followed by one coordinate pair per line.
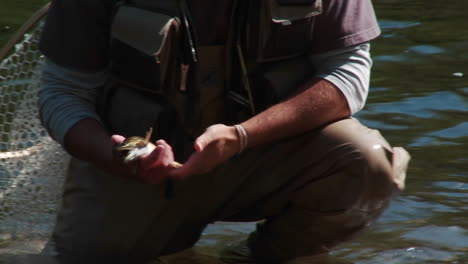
x,y
255,100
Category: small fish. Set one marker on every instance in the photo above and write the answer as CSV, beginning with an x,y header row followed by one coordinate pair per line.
x,y
134,147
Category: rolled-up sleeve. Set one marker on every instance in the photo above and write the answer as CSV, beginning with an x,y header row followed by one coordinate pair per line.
x,y
348,69
67,96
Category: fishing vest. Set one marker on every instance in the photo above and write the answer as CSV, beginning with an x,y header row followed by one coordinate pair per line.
x,y
154,51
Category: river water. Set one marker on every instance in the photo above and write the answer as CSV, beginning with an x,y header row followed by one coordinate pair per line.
x,y
419,100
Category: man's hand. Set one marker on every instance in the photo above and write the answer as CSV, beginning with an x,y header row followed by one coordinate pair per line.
x,y
152,168
217,144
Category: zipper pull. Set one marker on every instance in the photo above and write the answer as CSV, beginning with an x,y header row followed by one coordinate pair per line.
x,y
184,69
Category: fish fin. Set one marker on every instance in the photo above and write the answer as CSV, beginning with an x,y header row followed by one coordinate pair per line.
x,y
148,135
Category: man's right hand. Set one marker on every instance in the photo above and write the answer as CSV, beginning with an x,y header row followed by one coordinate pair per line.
x,y
151,169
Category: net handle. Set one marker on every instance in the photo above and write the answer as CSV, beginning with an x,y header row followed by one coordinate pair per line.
x,y
31,22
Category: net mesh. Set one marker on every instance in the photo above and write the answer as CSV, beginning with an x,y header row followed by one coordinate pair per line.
x,y
32,165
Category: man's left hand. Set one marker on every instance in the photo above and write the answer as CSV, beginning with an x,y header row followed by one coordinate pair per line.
x,y
217,144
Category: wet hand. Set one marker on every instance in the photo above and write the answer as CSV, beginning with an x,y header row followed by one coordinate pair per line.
x,y
216,145
151,167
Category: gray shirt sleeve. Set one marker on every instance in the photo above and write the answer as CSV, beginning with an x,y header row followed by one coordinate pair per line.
x,y
349,70
67,96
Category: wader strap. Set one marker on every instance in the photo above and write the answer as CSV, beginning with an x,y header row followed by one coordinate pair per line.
x,y
245,78
188,64
235,53
190,34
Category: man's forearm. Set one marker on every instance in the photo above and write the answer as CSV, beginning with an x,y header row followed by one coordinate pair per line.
x,y
317,103
66,101
338,91
89,141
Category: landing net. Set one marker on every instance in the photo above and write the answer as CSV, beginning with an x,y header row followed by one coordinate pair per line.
x,y
32,166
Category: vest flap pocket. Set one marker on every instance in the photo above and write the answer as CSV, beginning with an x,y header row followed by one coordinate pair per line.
x,y
284,29
143,30
286,11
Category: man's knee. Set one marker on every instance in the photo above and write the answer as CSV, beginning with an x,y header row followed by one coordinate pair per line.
x,y
385,168
382,166
359,173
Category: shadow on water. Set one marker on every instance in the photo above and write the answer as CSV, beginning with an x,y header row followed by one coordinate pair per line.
x,y
418,99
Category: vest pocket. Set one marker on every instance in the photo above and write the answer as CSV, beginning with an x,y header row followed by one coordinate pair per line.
x,y
145,48
285,28
146,66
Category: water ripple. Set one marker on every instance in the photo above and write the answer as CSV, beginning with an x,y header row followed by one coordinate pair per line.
x,y
451,185
411,255
413,209
426,49
424,106
386,24
432,141
458,131
453,237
